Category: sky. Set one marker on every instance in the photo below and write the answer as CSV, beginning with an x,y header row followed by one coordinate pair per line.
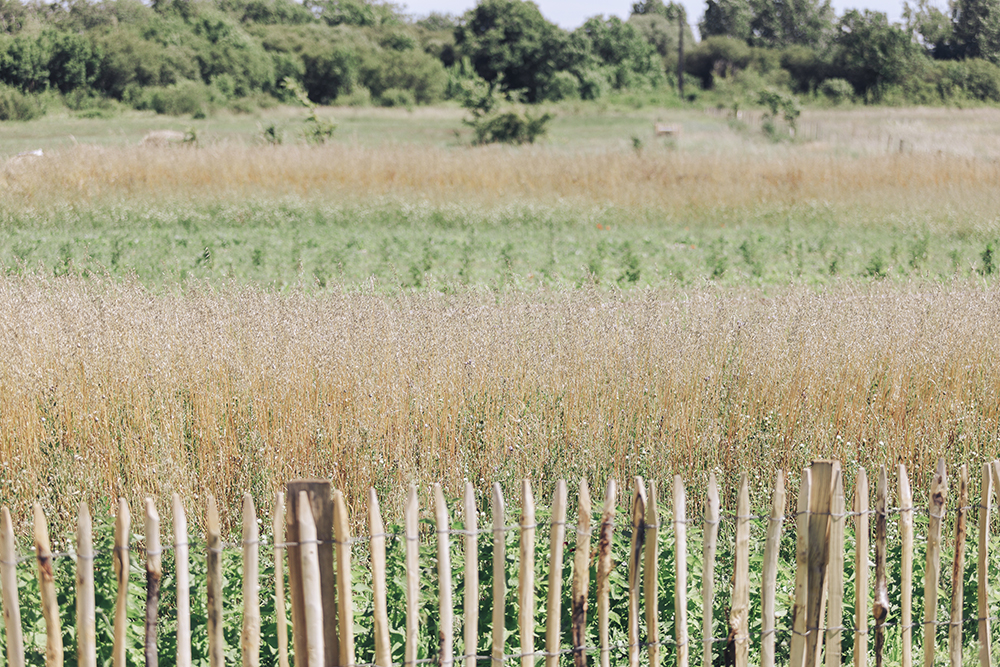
x,y
571,14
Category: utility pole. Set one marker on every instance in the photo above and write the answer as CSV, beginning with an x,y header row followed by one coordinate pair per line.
x,y
681,20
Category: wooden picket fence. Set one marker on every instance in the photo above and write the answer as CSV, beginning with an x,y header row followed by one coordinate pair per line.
x,y
314,538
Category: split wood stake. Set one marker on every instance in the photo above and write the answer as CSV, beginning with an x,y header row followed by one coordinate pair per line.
x,y
798,647
11,606
881,603
604,565
581,576
471,577
739,617
410,529
383,649
906,567
278,527
680,564
86,613
985,507
345,606
213,586
861,569
47,590
154,574
499,574
958,570
557,535
250,636
821,496
650,572
836,576
770,576
123,527
526,579
634,564
708,562
183,584
932,573
321,507
312,599
446,650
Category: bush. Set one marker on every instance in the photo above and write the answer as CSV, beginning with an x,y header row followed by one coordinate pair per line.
x,y
186,97
397,97
15,105
510,126
563,86
837,90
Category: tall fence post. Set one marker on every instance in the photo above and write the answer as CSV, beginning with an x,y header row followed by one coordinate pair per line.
x,y
932,573
345,589
769,580
680,570
154,574
183,585
835,621
958,570
905,567
47,590
985,507
650,573
86,613
380,607
446,648
526,576
603,570
11,605
471,576
412,566
250,635
314,637
739,617
636,547
861,569
278,528
798,643
123,527
708,563
557,536
581,575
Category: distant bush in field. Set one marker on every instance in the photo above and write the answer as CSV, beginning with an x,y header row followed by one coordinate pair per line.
x,y
837,90
15,105
186,97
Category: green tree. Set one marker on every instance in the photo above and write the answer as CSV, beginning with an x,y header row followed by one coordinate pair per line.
x,y
931,27
872,53
727,18
621,51
771,24
73,61
977,28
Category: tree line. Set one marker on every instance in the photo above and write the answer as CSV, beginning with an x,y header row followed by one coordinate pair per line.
x,y
193,56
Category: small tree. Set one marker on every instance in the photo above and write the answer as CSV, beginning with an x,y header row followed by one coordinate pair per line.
x,y
318,130
498,120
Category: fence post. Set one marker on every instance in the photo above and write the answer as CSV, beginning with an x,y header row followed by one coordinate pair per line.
x,y
932,573
985,506
906,567
11,606
446,650
213,586
958,570
183,584
650,569
526,578
86,613
769,581
314,651
278,528
861,571
708,574
604,569
410,530
47,589
581,575
838,516
637,543
321,507
798,643
250,637
345,589
739,617
821,495
471,577
154,573
880,608
123,527
380,607
557,537
499,574
680,564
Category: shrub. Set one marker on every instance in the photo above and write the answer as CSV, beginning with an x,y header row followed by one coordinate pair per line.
x,y
186,97
510,126
837,90
563,86
15,105
397,97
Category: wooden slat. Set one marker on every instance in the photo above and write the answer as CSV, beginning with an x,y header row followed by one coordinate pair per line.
x,y
86,612
932,572
650,573
821,497
213,586
154,574
637,545
380,606
120,558
739,616
499,574
446,632
709,545
861,568
985,509
557,537
250,634
958,570
11,605
471,592
312,597
798,643
278,528
905,568
526,577
183,583
345,602
581,576
604,570
834,634
680,568
769,582
880,607
47,591
410,529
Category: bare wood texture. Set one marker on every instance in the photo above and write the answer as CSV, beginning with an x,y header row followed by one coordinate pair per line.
x,y
636,546
821,496
380,606
213,586
680,565
471,576
835,620
581,575
905,568
410,528
709,544
183,583
798,644
861,569
446,649
47,590
739,617
526,578
11,605
154,574
985,509
557,536
604,565
278,528
499,574
86,612
314,637
650,571
250,634
769,581
345,603
880,606
958,570
120,558
932,573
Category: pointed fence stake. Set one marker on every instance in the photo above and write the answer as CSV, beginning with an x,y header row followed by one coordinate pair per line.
x,y
932,572
557,537
411,531
861,568
181,567
838,517
770,576
250,636
471,576
499,575
11,605
47,591
314,638
739,617
906,567
345,588
213,586
526,578
958,570
680,568
123,528
380,606
650,573
581,576
634,565
798,644
446,649
982,597
278,528
154,574
86,613
708,563
881,603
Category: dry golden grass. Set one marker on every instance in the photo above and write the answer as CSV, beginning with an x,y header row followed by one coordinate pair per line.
x,y
107,389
